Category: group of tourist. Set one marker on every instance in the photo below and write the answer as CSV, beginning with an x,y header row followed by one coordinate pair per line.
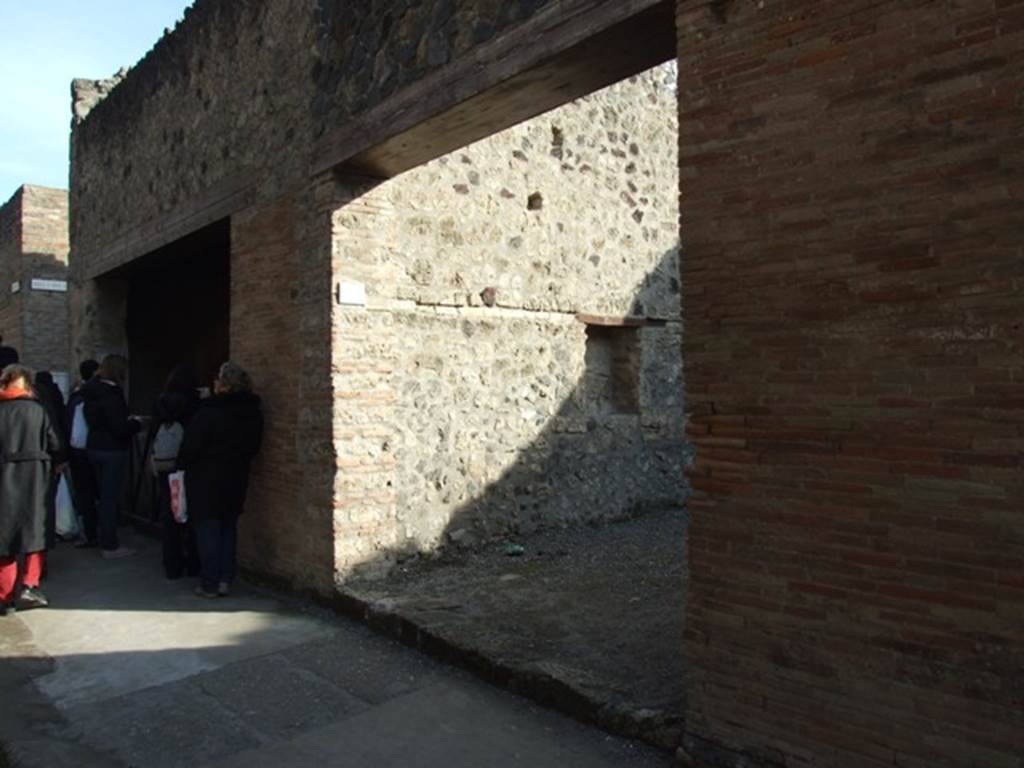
x,y
206,437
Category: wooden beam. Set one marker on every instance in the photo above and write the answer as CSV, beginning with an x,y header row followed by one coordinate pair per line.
x,y
218,202
627,321
553,59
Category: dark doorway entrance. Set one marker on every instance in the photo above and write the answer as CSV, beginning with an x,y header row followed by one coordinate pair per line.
x,y
178,311
178,302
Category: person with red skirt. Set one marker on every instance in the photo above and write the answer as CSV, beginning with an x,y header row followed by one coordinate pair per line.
x,y
29,445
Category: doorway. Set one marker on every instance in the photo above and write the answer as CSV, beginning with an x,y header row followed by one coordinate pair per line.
x,y
178,312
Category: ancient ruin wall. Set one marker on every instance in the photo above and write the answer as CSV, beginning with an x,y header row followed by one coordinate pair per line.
x,y
10,270
367,52
34,246
475,268
45,257
220,103
227,102
852,214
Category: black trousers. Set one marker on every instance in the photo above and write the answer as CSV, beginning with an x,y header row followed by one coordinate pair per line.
x,y
83,486
180,550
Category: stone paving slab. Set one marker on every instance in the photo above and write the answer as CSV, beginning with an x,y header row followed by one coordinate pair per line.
x,y
112,637
448,724
125,669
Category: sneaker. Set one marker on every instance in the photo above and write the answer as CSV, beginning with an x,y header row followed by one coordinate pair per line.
x,y
117,554
223,589
32,597
201,592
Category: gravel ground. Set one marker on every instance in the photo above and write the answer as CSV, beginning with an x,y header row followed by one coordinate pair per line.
x,y
598,610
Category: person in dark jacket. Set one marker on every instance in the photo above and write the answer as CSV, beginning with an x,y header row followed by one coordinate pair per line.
x,y
83,479
51,398
177,404
111,430
219,445
8,355
28,443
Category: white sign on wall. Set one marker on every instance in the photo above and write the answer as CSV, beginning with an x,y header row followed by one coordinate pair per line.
x,y
351,294
60,286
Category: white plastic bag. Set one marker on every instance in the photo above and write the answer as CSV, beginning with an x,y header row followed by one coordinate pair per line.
x,y
79,428
67,522
179,504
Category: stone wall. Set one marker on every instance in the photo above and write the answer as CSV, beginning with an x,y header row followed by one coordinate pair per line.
x,y
35,247
852,206
368,52
220,103
475,268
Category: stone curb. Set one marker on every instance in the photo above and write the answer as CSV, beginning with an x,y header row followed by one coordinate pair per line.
x,y
660,729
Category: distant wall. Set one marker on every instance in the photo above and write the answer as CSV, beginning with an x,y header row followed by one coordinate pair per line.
x,y
10,270
34,246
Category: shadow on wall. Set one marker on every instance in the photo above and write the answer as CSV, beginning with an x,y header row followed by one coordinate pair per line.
x,y
511,424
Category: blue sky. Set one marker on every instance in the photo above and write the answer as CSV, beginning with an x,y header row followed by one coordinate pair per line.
x,y
44,45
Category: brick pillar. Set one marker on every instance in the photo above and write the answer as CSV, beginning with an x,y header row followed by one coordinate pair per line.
x,y
852,213
365,517
280,299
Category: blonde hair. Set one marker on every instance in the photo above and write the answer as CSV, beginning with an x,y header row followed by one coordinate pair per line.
x,y
234,378
13,372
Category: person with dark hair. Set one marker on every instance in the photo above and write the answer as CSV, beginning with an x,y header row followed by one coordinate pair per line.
x,y
51,398
8,355
28,445
220,443
83,479
111,430
173,410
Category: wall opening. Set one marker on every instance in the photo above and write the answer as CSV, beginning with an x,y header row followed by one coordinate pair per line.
x,y
178,309
612,375
523,295
176,305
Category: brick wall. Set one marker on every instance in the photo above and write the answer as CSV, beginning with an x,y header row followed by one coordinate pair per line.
x,y
45,256
852,217
10,270
34,245
363,392
287,528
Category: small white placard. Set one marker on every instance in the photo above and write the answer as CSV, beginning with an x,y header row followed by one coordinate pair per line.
x,y
15,286
60,286
351,293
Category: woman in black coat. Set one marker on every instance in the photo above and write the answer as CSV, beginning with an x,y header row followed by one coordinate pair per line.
x,y
28,445
220,443
52,399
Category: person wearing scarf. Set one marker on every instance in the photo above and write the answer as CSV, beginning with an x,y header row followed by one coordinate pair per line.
x,y
29,443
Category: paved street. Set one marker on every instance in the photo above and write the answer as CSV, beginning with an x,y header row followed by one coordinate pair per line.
x,y
127,669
